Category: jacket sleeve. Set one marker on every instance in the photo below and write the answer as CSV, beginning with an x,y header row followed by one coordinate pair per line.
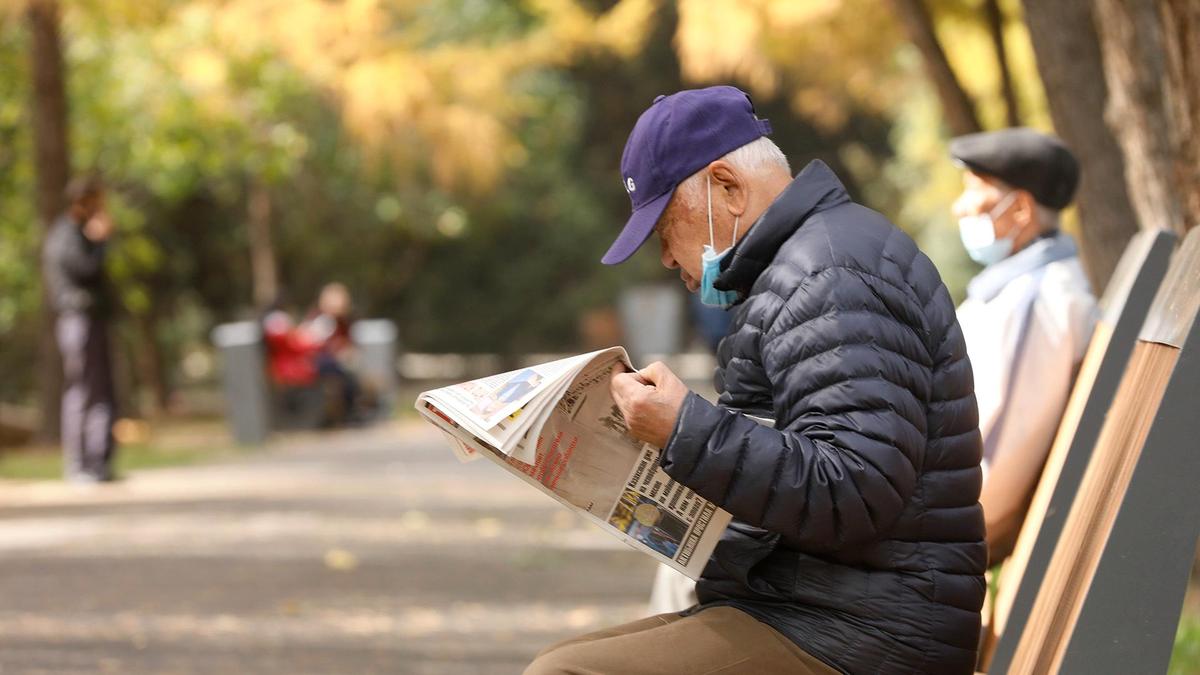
x,y
81,259
850,374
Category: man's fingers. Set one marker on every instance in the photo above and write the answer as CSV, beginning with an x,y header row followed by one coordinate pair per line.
x,y
617,382
655,373
636,374
625,385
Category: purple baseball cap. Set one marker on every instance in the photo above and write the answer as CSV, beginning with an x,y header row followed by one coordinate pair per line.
x,y
677,136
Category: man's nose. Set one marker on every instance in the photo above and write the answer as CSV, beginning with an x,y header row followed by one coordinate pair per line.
x,y
966,205
668,260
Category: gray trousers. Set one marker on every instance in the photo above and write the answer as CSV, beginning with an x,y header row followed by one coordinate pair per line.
x,y
88,400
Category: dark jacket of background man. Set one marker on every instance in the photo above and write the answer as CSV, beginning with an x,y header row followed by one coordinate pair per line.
x,y
859,534
75,270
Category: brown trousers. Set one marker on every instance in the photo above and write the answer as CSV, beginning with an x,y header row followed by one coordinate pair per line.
x,y
719,640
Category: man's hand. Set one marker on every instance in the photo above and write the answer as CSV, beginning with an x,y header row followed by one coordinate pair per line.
x,y
650,400
99,227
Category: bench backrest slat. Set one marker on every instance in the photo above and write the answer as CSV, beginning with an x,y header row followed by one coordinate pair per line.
x,y
1124,306
1112,593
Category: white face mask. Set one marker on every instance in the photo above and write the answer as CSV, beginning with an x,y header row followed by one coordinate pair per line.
x,y
978,234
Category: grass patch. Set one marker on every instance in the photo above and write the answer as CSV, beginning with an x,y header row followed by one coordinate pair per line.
x,y
1185,658
47,464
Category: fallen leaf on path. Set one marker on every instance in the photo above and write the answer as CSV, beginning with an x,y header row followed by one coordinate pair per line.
x,y
488,527
340,559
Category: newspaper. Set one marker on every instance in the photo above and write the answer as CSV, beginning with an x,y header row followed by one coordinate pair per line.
x,y
557,427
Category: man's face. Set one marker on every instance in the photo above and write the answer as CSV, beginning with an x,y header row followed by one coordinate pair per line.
x,y
981,195
334,301
737,200
682,233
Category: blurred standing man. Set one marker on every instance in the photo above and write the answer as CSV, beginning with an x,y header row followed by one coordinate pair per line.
x,y
858,542
1028,315
74,263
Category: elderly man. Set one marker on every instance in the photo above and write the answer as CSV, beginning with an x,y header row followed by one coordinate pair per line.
x,y
1028,316
857,544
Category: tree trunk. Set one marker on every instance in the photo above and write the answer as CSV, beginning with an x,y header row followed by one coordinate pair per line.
x,y
1151,63
995,22
127,380
1181,24
262,251
48,107
1070,66
956,103
150,361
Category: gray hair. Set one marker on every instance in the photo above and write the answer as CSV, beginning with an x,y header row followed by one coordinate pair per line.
x,y
1048,218
757,157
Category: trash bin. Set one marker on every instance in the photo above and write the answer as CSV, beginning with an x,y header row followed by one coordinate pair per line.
x,y
240,346
652,318
376,343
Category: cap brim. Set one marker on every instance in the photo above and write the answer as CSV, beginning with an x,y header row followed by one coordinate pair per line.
x,y
965,151
969,165
637,230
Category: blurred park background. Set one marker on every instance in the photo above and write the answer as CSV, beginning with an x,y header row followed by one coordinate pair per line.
x,y
454,164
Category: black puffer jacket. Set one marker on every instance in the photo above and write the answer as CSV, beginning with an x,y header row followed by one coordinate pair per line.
x,y
858,533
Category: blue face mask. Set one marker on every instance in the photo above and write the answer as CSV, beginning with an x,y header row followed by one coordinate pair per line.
x,y
710,263
978,234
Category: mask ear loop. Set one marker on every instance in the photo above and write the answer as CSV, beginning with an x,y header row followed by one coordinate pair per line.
x,y
712,242
737,220
1003,205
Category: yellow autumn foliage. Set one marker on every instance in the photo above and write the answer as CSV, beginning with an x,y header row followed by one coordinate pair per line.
x,y
447,104
825,57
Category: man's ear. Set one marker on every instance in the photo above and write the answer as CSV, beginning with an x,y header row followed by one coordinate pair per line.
x,y
725,177
1023,212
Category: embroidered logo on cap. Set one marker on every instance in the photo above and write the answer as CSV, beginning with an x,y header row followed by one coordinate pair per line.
x,y
629,186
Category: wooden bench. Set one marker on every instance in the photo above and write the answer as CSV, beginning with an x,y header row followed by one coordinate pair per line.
x,y
1112,592
1124,307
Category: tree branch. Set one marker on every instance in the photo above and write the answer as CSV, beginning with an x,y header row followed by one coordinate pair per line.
x,y
956,103
995,21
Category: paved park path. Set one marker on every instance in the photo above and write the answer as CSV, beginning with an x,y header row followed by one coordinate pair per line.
x,y
350,552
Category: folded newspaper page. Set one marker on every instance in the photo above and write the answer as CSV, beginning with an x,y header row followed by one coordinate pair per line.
x,y
557,427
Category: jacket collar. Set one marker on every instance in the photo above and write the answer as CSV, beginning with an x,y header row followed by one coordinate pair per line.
x,y
814,189
987,284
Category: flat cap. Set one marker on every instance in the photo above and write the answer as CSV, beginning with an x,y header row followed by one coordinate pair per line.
x,y
1023,158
